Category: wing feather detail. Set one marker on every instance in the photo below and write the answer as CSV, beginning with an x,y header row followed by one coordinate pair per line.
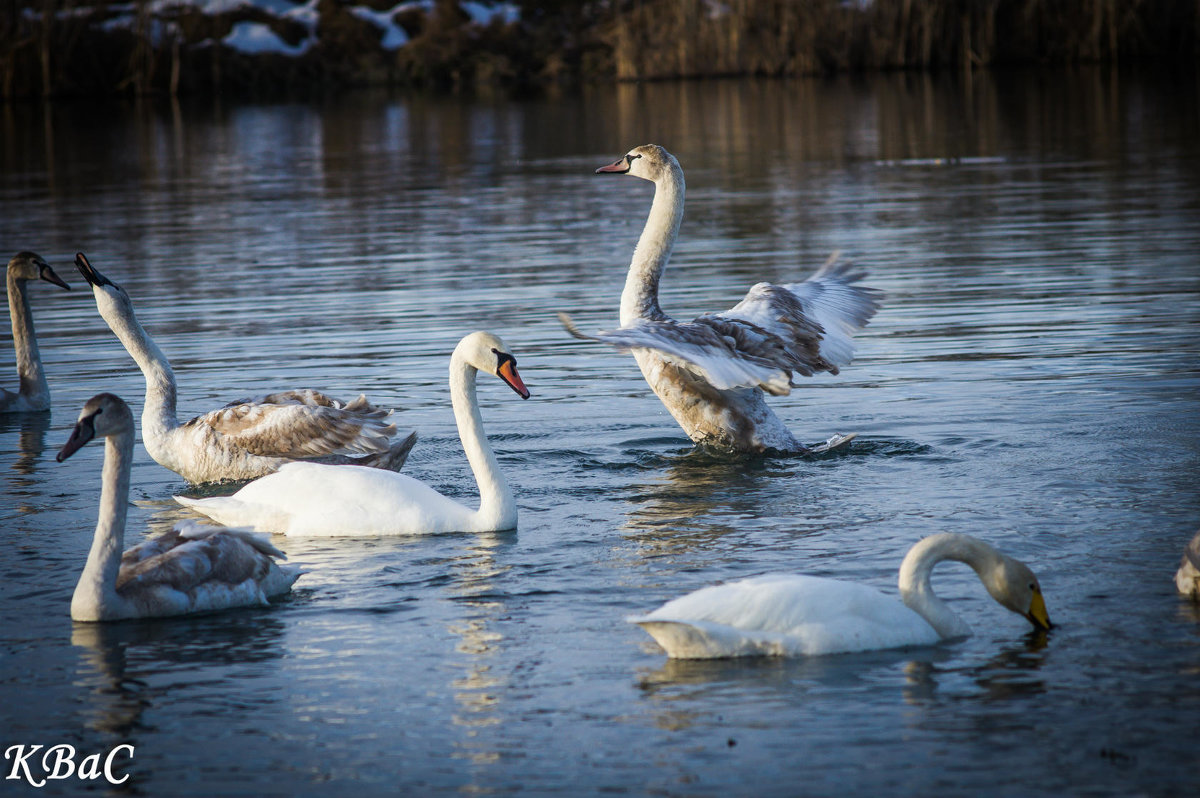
x,y
301,424
776,331
193,554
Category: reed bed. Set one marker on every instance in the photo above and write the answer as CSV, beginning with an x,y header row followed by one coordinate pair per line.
x,y
58,47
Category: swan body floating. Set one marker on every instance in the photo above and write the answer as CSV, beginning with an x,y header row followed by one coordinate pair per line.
x,y
791,616
312,499
1187,578
711,373
33,392
193,568
250,437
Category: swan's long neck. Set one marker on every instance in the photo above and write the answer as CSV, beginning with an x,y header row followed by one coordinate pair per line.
x,y
97,586
29,361
158,415
917,568
639,300
497,505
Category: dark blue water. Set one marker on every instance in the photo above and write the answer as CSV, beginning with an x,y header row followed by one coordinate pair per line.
x,y
1032,379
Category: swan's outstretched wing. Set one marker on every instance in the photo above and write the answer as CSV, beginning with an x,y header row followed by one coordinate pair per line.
x,y
300,424
716,351
193,554
777,330
829,303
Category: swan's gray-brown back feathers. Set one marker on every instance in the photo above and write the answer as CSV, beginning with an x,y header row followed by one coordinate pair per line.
x,y
301,424
193,554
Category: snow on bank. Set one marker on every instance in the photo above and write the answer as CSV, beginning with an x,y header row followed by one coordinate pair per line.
x,y
254,38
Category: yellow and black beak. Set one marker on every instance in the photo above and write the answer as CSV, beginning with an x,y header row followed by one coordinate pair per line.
x,y
1037,614
507,371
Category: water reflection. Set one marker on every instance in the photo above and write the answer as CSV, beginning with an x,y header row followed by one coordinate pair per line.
x,y
478,691
170,656
694,498
1010,673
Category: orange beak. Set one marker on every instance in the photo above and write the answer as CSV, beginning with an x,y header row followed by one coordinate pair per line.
x,y
508,373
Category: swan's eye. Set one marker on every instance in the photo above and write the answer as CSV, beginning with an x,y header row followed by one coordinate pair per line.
x,y
631,157
503,357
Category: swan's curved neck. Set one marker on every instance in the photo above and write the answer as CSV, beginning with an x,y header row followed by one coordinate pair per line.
x,y
917,568
97,588
639,300
497,505
29,361
158,415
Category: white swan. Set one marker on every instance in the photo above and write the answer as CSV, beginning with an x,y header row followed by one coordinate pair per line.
x,y
33,393
193,568
711,372
783,615
1187,578
250,437
309,499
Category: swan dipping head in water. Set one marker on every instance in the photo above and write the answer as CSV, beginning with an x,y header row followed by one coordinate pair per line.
x,y
789,615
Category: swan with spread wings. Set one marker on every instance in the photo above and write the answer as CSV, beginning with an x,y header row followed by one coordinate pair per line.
x,y
712,373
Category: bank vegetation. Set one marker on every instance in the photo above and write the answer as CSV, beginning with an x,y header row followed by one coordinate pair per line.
x,y
90,47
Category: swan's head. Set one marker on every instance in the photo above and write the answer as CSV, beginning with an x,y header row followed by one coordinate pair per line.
x,y
110,297
649,162
104,414
487,352
1014,585
30,266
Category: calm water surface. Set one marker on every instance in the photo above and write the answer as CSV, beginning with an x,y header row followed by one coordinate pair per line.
x,y
1033,379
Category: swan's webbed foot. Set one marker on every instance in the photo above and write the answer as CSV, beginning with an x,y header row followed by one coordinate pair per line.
x,y
836,443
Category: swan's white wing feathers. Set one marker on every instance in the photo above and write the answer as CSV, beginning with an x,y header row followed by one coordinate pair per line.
x,y
298,429
784,615
317,499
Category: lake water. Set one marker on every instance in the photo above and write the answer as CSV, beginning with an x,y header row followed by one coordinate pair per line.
x,y
1033,378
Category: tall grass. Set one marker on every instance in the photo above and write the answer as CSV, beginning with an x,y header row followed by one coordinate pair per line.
x,y
51,47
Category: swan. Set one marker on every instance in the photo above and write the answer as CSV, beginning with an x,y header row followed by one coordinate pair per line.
x,y
192,568
1187,578
33,393
249,437
788,615
711,372
313,499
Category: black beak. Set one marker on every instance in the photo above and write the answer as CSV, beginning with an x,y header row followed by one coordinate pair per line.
x,y
90,274
47,274
84,431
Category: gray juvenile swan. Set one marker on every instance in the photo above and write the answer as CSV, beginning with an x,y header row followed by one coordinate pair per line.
x,y
711,372
33,392
788,615
250,437
193,568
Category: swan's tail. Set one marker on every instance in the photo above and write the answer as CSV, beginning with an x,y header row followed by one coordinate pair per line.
x,y
393,459
705,640
233,512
